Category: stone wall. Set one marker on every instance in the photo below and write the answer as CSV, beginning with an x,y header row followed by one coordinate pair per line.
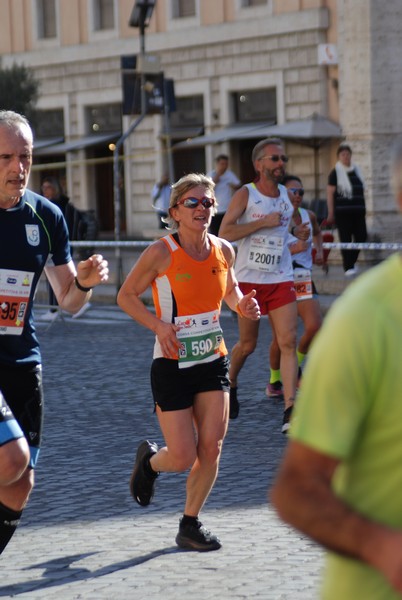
x,y
370,98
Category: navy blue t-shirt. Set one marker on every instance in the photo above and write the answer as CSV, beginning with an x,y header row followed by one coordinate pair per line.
x,y
32,234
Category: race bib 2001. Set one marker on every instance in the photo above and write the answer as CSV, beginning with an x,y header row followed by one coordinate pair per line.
x,y
265,253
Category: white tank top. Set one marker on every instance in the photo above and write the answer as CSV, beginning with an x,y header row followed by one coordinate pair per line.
x,y
264,256
305,258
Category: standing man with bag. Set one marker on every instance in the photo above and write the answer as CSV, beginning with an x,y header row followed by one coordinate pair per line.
x,y
226,182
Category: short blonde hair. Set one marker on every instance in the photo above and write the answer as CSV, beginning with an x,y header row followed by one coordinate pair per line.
x,y
181,187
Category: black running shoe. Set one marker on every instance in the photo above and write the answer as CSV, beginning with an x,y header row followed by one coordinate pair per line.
x,y
286,419
234,405
142,482
196,537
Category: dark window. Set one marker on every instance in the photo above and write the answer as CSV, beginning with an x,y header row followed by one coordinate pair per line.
x,y
247,3
183,8
189,112
49,123
254,105
47,26
104,118
103,15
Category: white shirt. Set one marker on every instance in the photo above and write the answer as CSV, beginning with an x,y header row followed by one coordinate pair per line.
x,y
258,206
161,197
223,189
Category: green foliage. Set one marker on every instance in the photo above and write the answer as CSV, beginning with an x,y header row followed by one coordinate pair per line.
x,y
19,91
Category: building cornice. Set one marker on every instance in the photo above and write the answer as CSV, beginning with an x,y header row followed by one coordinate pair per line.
x,y
283,24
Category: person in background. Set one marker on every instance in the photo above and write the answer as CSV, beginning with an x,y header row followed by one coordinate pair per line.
x,y
190,272
346,206
226,182
160,199
51,190
308,306
33,239
340,481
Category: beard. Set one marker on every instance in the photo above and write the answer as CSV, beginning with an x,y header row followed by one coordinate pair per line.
x,y
276,175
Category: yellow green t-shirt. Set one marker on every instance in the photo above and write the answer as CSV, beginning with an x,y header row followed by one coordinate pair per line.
x,y
350,407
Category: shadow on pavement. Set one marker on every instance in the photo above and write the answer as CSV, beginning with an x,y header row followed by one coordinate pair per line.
x,y
59,571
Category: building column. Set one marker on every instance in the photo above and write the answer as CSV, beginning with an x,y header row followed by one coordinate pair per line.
x,y
370,92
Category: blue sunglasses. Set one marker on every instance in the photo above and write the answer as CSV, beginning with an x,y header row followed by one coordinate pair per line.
x,y
194,202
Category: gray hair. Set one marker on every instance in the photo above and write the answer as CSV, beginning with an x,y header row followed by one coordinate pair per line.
x,y
257,150
181,187
11,119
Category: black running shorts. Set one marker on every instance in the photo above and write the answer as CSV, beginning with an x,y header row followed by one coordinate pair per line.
x,y
21,410
175,389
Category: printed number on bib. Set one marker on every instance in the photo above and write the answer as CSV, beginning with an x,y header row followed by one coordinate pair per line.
x,y
303,284
15,289
265,253
200,337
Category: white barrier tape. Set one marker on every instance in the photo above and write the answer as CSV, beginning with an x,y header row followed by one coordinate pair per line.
x,y
363,246
326,245
99,244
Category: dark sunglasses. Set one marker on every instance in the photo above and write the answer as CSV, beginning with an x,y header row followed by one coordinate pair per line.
x,y
299,191
277,158
194,202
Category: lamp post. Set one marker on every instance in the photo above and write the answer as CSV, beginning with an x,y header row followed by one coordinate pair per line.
x,y
140,17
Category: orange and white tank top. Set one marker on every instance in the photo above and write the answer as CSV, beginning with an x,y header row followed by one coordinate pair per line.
x,y
189,293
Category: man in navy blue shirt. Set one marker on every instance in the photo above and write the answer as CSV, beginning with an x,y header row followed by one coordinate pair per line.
x,y
33,238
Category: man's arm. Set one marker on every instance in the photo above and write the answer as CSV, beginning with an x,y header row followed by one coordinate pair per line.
x,y
66,281
317,238
244,305
232,231
303,497
330,203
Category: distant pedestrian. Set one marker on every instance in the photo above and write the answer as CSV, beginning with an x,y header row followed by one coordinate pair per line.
x,y
346,206
226,182
51,190
190,272
160,199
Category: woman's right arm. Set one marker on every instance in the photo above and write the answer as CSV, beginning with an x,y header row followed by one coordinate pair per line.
x,y
153,261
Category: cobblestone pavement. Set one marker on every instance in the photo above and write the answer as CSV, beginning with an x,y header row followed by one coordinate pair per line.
x,y
83,537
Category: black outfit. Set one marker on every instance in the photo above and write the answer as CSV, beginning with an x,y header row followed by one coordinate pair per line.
x,y
350,216
216,223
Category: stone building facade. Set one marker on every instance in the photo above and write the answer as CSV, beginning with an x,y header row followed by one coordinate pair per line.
x,y
235,64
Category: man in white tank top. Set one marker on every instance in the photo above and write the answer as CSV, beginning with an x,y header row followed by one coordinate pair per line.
x,y
258,219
